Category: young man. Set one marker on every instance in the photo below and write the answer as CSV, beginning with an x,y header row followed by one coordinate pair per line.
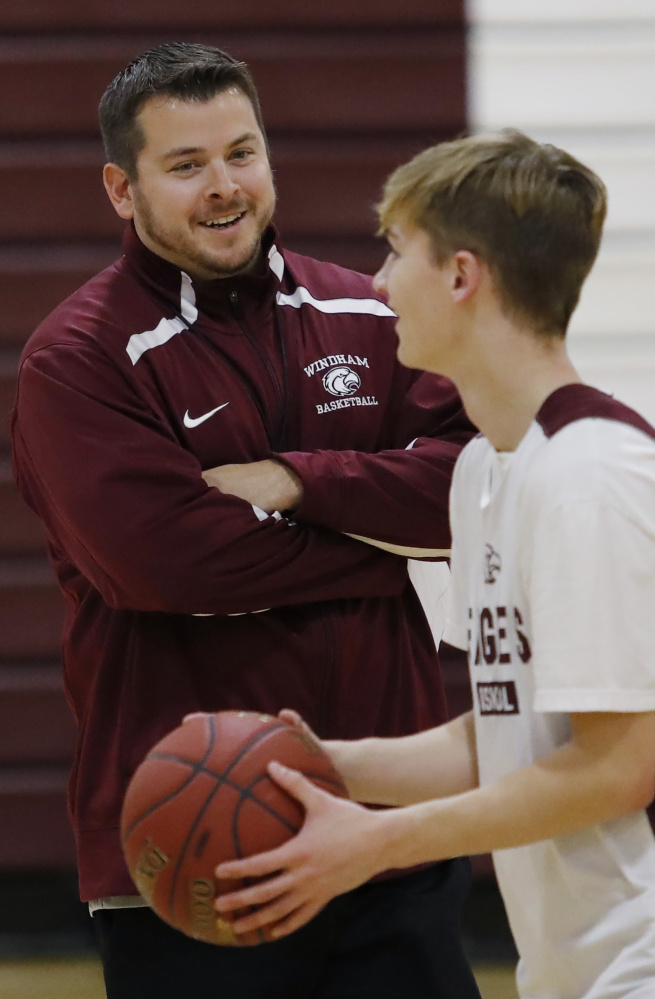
x,y
168,414
553,518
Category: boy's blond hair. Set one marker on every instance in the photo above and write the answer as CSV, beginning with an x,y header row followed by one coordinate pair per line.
x,y
531,212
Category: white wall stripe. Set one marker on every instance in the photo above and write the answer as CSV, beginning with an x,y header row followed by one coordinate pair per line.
x,y
542,12
365,306
581,74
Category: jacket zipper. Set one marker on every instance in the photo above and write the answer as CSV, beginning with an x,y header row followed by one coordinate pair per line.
x,y
277,439
275,444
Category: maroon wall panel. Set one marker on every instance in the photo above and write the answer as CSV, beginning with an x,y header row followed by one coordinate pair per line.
x,y
35,721
7,390
21,532
80,15
31,610
34,830
35,277
326,84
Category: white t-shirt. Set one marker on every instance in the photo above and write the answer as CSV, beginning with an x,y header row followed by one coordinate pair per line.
x,y
553,595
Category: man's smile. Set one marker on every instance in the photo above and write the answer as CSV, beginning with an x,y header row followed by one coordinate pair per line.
x,y
225,222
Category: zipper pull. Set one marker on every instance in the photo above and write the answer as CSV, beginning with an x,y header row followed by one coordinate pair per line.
x,y
235,303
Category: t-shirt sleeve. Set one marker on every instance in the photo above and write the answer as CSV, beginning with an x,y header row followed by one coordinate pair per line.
x,y
591,595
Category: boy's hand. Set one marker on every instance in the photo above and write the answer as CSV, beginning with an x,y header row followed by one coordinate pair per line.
x,y
340,846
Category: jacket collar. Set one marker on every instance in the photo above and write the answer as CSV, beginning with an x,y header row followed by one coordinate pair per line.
x,y
255,291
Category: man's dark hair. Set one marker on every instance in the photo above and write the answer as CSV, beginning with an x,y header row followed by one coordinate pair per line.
x,y
186,70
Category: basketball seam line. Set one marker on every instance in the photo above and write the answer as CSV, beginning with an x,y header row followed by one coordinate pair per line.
x,y
252,742
163,801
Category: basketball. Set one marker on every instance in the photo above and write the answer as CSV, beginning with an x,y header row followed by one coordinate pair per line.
x,y
201,796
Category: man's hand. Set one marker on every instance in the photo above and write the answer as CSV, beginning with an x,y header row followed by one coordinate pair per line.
x,y
266,484
340,846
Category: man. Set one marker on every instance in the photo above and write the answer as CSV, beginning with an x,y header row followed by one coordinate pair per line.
x,y
553,518
170,416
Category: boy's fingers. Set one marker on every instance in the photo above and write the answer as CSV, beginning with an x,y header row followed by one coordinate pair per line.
x,y
295,920
253,895
251,867
295,783
268,914
291,717
194,714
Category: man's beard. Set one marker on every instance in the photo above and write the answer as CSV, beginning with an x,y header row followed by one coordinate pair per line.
x,y
206,264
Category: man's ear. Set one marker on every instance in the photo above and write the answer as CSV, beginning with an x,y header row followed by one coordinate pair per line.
x,y
118,189
467,271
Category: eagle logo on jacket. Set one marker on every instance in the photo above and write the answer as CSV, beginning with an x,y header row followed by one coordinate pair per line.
x,y
341,381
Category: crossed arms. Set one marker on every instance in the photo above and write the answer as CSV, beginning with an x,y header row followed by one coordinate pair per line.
x,y
149,534
272,486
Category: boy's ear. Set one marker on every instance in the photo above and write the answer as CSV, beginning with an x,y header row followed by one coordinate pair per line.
x,y
466,274
118,189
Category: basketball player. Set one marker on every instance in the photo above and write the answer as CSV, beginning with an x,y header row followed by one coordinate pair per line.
x,y
553,519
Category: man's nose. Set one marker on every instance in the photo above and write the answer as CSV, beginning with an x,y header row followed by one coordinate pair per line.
x,y
222,183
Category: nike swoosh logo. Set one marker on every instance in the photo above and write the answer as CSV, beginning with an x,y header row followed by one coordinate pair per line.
x,y
190,422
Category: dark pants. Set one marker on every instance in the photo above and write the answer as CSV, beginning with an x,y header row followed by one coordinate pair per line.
x,y
387,940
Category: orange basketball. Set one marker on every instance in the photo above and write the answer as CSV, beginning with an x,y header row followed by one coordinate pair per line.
x,y
203,795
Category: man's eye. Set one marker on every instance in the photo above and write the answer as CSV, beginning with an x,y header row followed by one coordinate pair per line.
x,y
183,167
241,154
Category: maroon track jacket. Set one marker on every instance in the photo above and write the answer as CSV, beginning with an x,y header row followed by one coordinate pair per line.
x,y
181,598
